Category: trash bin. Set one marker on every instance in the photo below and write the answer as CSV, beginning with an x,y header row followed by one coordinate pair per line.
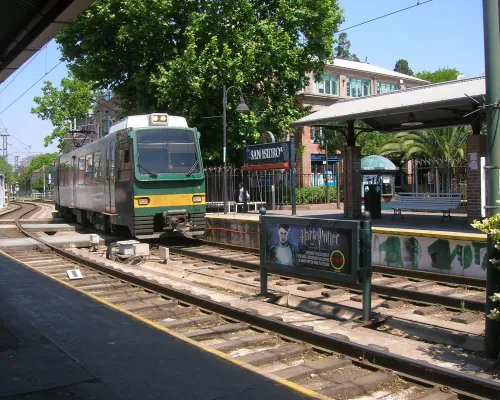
x,y
373,200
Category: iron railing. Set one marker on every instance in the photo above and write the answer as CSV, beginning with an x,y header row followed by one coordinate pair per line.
x,y
270,189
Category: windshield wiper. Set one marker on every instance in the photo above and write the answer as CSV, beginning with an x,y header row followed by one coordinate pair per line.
x,y
151,173
191,170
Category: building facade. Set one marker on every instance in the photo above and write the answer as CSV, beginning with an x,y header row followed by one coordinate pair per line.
x,y
341,81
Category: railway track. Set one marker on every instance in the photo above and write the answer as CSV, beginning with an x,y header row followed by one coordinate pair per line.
x,y
329,365
425,289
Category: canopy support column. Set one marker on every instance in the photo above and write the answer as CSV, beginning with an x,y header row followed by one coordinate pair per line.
x,y
352,175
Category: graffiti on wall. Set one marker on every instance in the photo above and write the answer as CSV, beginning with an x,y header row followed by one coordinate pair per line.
x,y
457,257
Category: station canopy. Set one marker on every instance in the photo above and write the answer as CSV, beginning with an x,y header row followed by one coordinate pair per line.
x,y
419,108
27,25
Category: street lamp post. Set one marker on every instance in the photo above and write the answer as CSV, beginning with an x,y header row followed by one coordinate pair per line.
x,y
241,108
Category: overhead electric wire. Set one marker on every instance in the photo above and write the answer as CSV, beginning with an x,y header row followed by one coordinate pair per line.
x,y
31,87
386,15
22,69
13,136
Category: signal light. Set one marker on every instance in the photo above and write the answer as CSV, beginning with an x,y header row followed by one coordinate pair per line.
x,y
143,201
197,199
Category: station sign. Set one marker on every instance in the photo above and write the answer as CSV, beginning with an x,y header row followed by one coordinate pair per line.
x,y
311,247
267,156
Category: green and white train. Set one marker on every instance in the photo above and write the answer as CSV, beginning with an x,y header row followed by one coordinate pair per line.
x,y
145,177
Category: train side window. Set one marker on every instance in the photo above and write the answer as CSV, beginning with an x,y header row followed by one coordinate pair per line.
x,y
112,166
106,165
81,170
89,168
64,173
97,167
69,174
124,173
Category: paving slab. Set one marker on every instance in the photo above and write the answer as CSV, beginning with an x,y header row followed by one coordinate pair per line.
x,y
71,344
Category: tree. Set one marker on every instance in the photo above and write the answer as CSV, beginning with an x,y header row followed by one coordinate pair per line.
x,y
370,142
342,50
36,163
445,144
6,171
72,100
440,75
403,67
175,56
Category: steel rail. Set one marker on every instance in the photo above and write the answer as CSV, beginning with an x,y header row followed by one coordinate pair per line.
x,y
383,269
388,291
468,386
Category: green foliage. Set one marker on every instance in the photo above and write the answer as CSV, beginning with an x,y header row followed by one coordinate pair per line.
x,y
37,184
176,55
6,170
435,144
36,163
72,100
372,142
491,226
342,50
312,195
403,67
440,75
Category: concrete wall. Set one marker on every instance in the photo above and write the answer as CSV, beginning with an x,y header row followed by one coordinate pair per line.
x,y
464,256
234,232
440,255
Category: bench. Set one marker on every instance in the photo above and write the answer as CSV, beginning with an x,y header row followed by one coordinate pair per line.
x,y
444,202
253,203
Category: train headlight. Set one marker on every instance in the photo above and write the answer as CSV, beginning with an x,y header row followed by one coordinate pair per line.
x,y
143,201
158,119
197,199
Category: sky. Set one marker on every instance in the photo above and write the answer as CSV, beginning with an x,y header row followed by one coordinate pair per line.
x,y
435,34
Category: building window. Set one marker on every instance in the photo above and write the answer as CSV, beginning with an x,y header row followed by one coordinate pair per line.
x,y
384,87
329,85
316,134
358,87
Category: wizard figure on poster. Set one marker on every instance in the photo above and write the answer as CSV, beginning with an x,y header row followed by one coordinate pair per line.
x,y
283,252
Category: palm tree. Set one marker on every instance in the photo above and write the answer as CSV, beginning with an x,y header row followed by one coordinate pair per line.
x,y
445,144
440,151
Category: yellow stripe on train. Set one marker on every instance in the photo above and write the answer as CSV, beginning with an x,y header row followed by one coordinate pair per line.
x,y
169,200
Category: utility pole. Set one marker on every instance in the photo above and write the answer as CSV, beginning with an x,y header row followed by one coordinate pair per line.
x,y
4,146
491,9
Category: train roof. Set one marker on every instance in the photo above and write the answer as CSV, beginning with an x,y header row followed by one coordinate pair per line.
x,y
148,120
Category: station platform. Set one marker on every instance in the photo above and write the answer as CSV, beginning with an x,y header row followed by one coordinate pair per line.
x,y
57,343
420,241
412,220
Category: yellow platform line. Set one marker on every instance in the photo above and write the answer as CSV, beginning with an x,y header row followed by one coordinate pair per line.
x,y
300,389
475,237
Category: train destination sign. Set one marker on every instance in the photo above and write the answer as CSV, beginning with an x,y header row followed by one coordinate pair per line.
x,y
311,247
275,155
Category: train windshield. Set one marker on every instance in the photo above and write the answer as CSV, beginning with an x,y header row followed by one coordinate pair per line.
x,y
164,151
